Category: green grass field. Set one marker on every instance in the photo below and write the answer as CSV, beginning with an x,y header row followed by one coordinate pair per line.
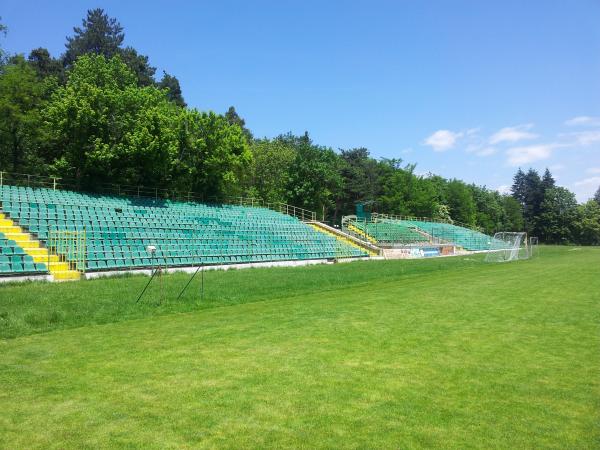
x,y
443,353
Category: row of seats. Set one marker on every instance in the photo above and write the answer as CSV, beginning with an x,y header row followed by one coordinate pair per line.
x,y
390,232
118,230
468,239
14,260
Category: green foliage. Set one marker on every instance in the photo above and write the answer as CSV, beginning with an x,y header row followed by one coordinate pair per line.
x,y
558,215
108,129
3,30
512,217
404,193
22,95
45,65
442,212
171,84
315,179
361,175
104,119
139,65
213,155
587,225
98,34
269,174
103,35
597,196
461,203
234,119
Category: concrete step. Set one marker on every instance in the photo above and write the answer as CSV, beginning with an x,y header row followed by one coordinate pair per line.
x,y
64,275
35,251
12,229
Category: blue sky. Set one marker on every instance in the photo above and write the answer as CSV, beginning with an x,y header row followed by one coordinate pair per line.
x,y
465,89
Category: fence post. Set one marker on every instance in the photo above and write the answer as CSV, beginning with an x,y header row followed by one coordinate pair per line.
x,y
1,176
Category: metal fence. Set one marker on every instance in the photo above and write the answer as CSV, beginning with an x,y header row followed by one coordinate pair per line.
x,y
36,181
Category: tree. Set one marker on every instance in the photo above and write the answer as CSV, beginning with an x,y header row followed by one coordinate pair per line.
x,y
557,216
442,212
21,96
103,35
139,65
45,65
512,219
548,180
234,119
460,202
98,34
269,174
102,127
489,209
361,180
587,224
315,179
213,155
174,94
519,188
3,30
597,196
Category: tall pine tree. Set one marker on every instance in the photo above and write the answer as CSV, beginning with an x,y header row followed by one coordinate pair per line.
x,y
98,34
548,180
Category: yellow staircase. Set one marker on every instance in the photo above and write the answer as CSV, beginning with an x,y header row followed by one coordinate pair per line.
x,y
362,233
341,237
60,270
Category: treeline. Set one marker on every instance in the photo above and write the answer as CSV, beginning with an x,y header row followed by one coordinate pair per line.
x,y
551,212
97,115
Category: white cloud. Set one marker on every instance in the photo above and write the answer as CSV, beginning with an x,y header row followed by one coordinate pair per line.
x,y
530,153
556,167
583,121
593,170
503,189
487,151
513,134
585,189
583,138
591,181
443,140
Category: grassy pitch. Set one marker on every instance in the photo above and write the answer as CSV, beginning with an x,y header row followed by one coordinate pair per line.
x,y
447,353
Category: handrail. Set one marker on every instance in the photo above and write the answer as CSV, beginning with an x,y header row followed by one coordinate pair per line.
x,y
423,219
56,183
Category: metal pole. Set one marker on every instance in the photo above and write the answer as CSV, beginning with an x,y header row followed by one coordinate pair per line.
x,y
150,280
189,281
202,285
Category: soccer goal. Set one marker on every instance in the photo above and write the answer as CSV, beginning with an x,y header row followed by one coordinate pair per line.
x,y
533,246
508,246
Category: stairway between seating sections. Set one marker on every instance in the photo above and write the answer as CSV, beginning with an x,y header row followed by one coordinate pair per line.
x,y
60,270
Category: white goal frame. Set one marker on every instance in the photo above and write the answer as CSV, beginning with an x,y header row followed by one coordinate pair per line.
x,y
533,246
508,246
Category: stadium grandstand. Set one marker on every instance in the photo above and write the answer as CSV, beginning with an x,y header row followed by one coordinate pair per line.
x,y
411,236
62,234
66,233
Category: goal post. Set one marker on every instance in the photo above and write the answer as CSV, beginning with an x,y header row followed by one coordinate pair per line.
x,y
533,246
508,246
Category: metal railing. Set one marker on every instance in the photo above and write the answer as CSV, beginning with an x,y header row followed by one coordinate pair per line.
x,y
157,194
376,216
70,246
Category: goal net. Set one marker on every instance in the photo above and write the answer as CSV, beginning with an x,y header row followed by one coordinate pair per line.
x,y
508,246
